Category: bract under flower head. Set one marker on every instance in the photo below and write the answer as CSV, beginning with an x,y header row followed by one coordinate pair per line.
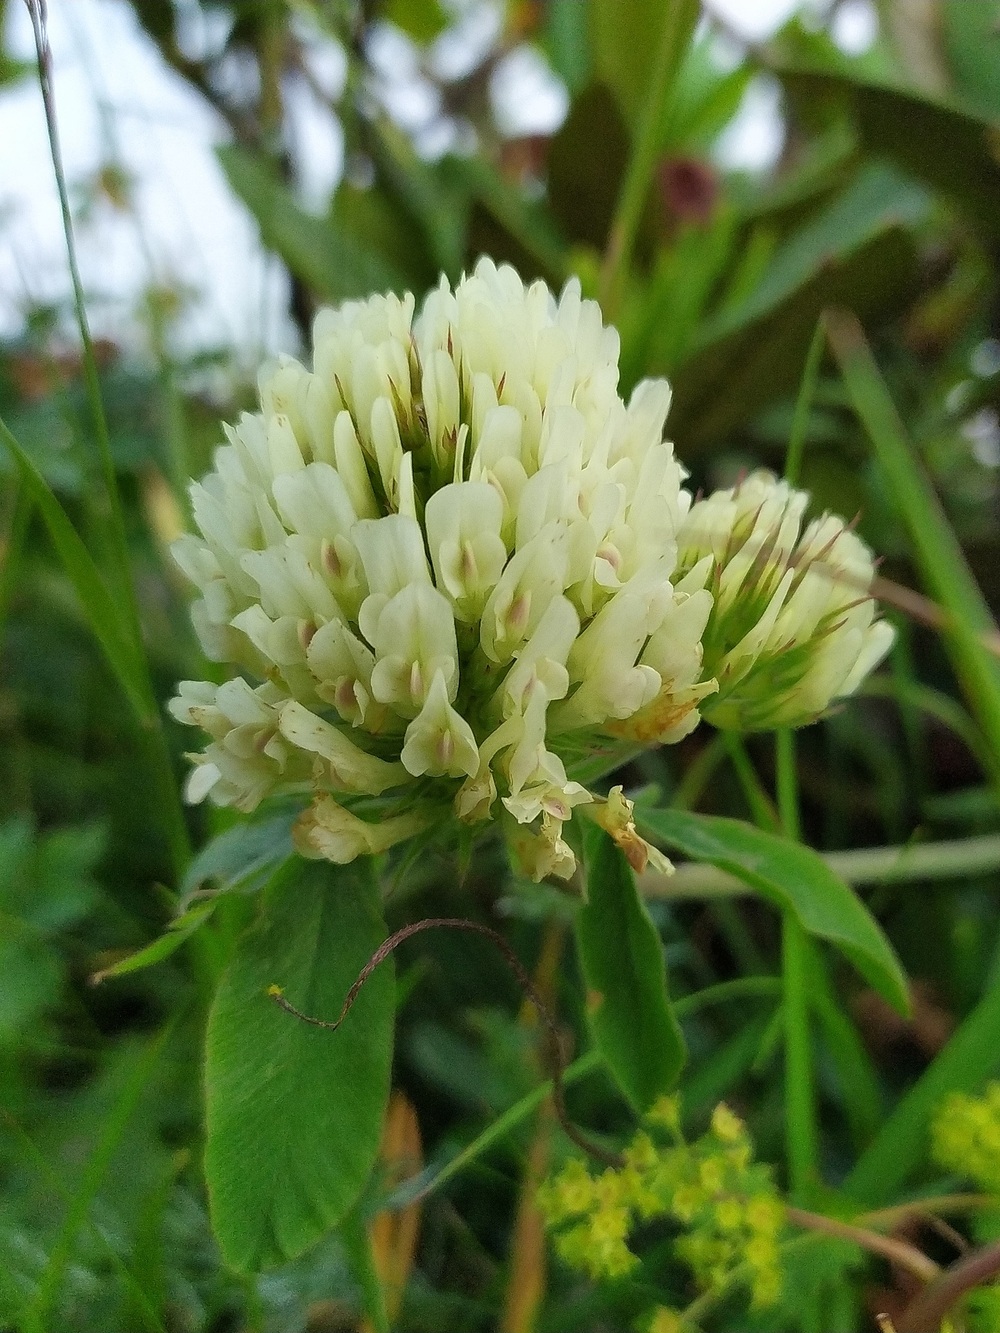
x,y
444,555
793,625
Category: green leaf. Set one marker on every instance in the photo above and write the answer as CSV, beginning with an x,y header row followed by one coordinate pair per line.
x,y
794,878
944,146
971,1056
294,1113
109,624
624,35
162,947
422,19
244,857
972,42
334,265
938,552
623,966
855,250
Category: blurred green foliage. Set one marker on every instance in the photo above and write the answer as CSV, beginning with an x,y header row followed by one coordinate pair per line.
x,y
883,200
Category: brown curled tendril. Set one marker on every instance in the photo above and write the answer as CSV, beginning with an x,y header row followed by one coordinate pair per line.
x,y
524,981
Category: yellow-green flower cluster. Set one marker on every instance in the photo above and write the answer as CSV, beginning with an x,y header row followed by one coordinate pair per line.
x,y
726,1203
965,1137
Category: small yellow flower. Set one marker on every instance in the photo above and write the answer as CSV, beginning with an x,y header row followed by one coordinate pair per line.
x,y
665,1320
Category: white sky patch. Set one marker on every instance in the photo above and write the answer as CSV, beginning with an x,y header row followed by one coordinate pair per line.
x,y
754,20
527,97
855,26
753,139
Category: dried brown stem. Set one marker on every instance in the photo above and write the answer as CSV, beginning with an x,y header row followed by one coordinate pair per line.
x,y
524,981
896,1251
929,1307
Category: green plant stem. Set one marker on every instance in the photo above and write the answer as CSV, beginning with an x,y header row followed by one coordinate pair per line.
x,y
801,1135
143,1305
628,211
357,1242
37,1317
522,1110
762,809
955,858
801,1138
115,513
699,772
787,784
938,553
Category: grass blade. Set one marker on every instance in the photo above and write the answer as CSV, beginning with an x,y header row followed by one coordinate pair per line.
x,y
936,548
37,1317
102,610
970,1057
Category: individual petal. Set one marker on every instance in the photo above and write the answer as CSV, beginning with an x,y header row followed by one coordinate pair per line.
x,y
346,767
326,831
616,815
463,522
413,639
439,742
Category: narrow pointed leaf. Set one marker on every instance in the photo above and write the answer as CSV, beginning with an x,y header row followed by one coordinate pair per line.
x,y
623,966
794,878
295,1112
106,619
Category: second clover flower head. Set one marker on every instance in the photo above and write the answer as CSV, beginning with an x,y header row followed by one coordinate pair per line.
x,y
449,560
441,561
793,625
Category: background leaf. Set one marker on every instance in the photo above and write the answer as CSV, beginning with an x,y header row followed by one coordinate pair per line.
x,y
626,977
295,1113
795,879
331,262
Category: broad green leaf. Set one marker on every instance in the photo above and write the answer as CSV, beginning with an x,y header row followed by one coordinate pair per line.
x,y
566,42
946,147
584,185
624,969
294,1112
422,19
335,265
972,43
795,879
106,618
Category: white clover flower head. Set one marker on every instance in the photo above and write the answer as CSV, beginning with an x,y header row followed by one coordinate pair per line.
x,y
441,561
793,626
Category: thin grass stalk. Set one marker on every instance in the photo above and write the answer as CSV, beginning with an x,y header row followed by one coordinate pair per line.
x,y
152,738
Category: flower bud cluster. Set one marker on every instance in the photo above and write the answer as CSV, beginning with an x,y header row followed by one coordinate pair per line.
x,y
445,553
444,562
965,1137
793,625
727,1204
